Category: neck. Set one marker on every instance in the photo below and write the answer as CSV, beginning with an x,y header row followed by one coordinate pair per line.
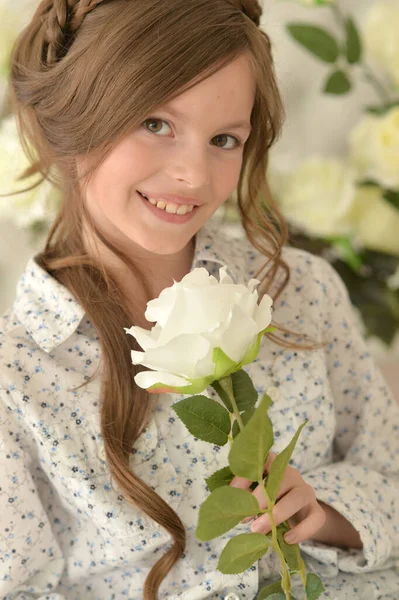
x,y
158,273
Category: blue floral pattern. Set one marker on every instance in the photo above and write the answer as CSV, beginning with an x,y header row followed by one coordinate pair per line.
x,y
66,532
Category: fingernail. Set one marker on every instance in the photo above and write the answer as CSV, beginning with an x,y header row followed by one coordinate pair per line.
x,y
247,520
289,538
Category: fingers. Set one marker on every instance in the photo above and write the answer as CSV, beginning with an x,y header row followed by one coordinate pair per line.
x,y
308,527
291,479
298,501
240,482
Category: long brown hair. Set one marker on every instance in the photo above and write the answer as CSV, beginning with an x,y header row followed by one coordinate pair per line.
x,y
85,73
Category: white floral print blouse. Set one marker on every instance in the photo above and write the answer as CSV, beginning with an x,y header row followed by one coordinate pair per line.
x,y
65,530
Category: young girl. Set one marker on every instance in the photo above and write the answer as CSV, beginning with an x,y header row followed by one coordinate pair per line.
x,y
148,114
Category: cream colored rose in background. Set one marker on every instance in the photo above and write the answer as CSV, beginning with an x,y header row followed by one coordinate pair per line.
x,y
381,34
321,199
374,221
374,148
38,204
317,196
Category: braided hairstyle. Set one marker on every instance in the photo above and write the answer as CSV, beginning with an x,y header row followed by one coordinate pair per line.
x,y
85,74
64,17
61,20
250,8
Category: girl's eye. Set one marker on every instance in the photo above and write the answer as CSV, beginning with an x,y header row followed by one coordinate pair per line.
x,y
156,126
228,142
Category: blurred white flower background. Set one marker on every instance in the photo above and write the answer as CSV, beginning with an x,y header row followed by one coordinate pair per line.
x,y
334,172
344,205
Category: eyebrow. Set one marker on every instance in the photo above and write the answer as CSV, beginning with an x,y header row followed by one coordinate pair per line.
x,y
244,125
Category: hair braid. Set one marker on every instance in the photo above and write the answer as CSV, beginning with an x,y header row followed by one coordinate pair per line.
x,y
62,19
251,8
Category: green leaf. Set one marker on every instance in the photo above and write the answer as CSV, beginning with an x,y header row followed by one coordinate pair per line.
x,y
241,552
353,43
279,465
314,586
347,253
338,83
273,588
219,478
204,418
381,110
317,40
222,395
277,596
250,448
292,553
223,510
392,196
244,391
245,416
370,294
368,182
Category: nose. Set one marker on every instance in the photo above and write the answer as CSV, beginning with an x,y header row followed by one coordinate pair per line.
x,y
190,166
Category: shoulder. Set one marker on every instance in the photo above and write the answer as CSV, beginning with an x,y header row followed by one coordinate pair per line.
x,y
16,347
20,351
308,273
312,280
316,271
313,297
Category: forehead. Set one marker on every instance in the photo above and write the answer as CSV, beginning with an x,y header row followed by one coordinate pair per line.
x,y
226,95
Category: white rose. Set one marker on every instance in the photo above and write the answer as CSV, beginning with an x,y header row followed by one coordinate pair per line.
x,y
317,197
375,221
205,329
38,204
374,148
381,36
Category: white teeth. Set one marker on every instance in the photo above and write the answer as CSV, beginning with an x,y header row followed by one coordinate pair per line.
x,y
174,209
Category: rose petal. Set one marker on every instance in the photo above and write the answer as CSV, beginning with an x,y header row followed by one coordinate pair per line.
x,y
181,356
146,379
198,310
143,337
263,313
238,336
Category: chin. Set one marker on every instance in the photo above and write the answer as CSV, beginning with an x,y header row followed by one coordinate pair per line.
x,y
160,247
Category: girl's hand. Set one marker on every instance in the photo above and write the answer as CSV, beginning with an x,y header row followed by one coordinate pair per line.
x,y
296,503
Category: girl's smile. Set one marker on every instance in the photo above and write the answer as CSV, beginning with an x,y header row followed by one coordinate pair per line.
x,y
170,213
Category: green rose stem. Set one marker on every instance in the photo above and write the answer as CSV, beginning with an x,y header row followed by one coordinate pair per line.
x,y
227,385
380,89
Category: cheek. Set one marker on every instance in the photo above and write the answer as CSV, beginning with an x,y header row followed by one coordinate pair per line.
x,y
226,178
129,164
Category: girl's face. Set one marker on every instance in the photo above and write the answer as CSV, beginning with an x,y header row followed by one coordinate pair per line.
x,y
188,152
